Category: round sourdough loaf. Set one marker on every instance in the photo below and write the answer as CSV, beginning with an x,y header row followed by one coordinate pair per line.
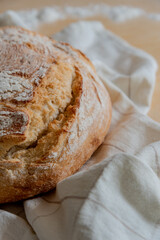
x,y
54,112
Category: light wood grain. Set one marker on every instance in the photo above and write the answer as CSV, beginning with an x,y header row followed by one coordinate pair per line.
x,y
141,32
149,5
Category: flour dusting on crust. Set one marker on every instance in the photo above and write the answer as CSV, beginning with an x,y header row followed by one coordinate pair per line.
x,y
12,122
22,65
14,87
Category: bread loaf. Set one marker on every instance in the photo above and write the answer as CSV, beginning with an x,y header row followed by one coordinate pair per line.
x,y
54,112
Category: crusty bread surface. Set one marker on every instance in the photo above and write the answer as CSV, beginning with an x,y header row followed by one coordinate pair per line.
x,y
54,112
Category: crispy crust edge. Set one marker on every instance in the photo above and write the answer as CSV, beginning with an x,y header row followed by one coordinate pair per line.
x,y
42,177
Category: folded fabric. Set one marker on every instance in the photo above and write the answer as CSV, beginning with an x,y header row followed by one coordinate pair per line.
x,y
116,194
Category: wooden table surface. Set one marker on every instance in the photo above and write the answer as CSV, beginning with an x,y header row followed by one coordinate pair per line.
x,y
140,32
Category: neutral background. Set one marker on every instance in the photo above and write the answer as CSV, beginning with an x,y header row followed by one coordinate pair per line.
x,y
141,32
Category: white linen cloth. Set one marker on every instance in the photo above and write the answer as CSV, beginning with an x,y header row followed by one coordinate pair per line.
x,y
119,196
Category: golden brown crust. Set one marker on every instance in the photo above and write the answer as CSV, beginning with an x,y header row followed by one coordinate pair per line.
x,y
63,117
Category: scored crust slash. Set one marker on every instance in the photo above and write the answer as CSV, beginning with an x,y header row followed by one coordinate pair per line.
x,y
54,112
